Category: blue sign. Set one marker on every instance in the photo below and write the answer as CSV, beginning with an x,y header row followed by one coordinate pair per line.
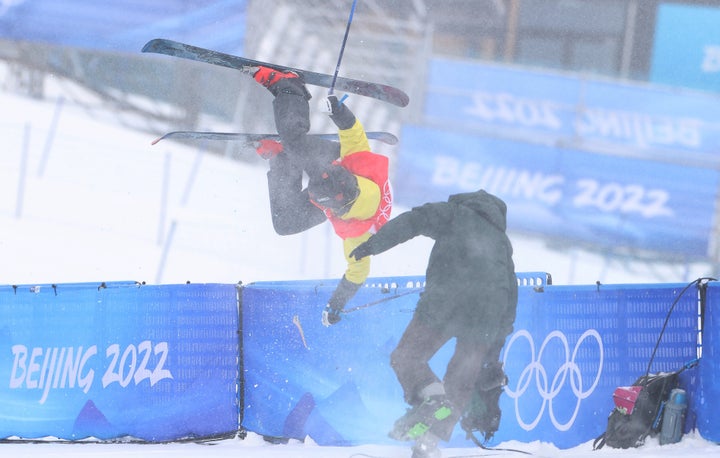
x,y
567,193
592,115
687,47
87,360
125,25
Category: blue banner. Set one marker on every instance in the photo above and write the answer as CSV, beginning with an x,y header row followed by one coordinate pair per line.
x,y
570,194
686,51
567,354
592,115
126,25
87,360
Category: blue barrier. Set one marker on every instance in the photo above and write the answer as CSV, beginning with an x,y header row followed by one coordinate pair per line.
x,y
705,403
571,347
118,359
161,362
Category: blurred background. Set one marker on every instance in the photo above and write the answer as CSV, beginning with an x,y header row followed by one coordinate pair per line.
x,y
597,121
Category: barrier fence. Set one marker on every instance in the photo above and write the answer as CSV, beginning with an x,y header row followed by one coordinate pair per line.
x,y
172,362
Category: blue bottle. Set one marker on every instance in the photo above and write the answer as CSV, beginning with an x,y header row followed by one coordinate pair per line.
x,y
674,417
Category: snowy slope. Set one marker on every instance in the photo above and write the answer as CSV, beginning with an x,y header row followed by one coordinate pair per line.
x,y
94,201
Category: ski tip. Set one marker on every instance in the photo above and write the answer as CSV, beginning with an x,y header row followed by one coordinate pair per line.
x,y
391,140
150,45
157,140
402,99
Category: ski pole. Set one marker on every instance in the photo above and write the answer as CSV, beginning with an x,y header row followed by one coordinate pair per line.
x,y
380,301
342,48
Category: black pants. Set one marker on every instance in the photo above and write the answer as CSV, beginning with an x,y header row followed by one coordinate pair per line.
x,y
290,207
418,345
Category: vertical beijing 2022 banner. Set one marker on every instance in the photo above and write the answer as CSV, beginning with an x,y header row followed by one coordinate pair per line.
x,y
86,360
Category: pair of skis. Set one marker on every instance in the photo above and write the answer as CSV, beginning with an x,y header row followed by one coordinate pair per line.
x,y
377,91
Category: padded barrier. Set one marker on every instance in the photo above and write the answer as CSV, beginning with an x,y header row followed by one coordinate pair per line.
x,y
707,401
118,359
571,347
160,363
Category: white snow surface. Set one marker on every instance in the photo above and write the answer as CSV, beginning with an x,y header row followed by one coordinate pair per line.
x,y
93,201
253,446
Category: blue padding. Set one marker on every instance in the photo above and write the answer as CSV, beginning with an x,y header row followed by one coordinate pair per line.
x,y
116,359
216,24
572,346
707,403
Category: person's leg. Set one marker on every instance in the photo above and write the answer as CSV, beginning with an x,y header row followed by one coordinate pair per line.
x,y
291,109
460,379
290,207
410,359
422,389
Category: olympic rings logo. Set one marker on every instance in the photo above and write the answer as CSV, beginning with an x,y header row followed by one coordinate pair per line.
x,y
567,370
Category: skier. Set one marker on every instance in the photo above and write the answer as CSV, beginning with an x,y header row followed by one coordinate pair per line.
x,y
470,294
347,183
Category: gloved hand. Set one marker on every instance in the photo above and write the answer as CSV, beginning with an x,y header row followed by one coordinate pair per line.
x,y
268,148
361,251
339,112
332,105
330,316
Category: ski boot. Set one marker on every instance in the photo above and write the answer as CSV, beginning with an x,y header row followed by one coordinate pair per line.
x,y
269,76
292,83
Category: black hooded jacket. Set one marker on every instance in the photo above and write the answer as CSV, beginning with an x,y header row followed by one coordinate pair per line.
x,y
471,288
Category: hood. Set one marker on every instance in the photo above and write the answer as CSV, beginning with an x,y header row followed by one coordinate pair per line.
x,y
490,207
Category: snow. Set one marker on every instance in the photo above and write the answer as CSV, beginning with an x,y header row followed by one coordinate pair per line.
x,y
94,201
253,446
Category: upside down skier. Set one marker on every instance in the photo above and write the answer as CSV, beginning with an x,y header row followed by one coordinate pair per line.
x,y
347,183
471,295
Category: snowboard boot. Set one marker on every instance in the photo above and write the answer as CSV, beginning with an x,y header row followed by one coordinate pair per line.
x,y
433,412
426,447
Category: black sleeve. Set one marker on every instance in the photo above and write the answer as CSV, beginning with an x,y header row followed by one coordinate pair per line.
x,y
343,293
343,117
428,220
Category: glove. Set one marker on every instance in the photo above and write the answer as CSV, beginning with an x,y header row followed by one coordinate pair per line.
x,y
339,112
332,105
269,148
361,251
330,316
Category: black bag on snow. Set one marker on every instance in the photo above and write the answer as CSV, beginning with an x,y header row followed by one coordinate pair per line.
x,y
638,411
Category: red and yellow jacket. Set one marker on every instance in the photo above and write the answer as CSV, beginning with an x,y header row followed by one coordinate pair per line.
x,y
374,203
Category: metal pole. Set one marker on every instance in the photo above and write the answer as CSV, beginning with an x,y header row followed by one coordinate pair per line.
x,y
342,47
164,199
22,172
51,135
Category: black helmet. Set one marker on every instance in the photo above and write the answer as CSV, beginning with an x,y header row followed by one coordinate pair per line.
x,y
335,188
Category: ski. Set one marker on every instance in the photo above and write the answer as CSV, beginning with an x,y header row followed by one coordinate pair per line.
x,y
377,91
385,137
